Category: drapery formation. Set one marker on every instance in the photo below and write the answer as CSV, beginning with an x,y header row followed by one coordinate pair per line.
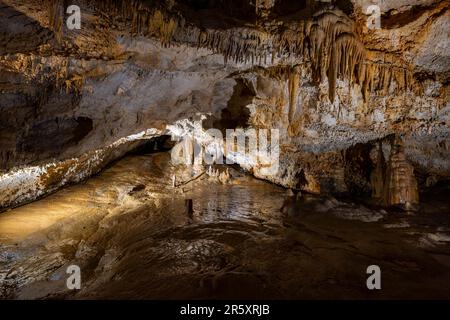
x,y
328,41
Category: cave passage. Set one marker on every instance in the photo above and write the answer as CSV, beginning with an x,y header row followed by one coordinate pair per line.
x,y
224,149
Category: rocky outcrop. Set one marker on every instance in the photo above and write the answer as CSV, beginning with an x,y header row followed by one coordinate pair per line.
x,y
333,88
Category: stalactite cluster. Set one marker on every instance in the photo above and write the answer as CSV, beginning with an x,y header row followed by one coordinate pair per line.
x,y
59,79
379,78
328,42
240,45
145,20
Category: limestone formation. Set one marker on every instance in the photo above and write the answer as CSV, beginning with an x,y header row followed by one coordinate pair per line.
x,y
400,187
334,88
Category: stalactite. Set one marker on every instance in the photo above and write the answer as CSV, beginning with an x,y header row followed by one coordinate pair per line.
x,y
74,84
161,27
55,17
385,81
294,83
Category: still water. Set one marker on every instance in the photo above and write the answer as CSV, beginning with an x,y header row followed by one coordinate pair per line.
x,y
135,236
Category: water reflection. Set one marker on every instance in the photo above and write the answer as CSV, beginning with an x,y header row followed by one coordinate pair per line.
x,y
247,239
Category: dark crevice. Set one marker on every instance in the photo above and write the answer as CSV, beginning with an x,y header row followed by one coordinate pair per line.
x,y
158,144
236,114
392,19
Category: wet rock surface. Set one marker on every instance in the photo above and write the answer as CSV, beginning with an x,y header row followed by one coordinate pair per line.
x,y
134,236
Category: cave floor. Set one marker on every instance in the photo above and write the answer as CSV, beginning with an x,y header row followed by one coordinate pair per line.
x,y
134,236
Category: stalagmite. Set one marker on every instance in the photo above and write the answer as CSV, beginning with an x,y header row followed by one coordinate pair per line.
x,y
400,187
